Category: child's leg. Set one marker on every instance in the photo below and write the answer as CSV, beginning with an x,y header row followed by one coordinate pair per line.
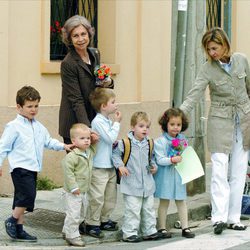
x,y
73,210
96,196
148,218
237,178
182,211
162,213
24,182
132,215
18,213
110,196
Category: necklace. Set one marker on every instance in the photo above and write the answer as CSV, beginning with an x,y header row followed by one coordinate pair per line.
x,y
86,59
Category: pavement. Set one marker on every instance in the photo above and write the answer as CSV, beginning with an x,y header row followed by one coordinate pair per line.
x,y
46,221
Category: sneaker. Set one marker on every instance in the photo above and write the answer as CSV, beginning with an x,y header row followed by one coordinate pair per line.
x,y
78,242
237,226
186,232
94,231
219,227
10,228
132,239
154,236
24,236
109,225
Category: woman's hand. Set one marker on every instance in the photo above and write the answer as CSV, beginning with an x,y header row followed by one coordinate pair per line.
x,y
76,192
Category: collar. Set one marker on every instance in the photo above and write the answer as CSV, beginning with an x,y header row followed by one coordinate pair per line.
x,y
24,119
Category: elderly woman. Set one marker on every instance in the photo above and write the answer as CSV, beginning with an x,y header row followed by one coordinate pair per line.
x,y
77,74
228,132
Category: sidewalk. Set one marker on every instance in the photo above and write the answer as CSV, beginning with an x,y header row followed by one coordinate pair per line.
x,y
47,219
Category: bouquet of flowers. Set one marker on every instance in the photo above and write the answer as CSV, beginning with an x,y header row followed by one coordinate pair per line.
x,y
177,147
102,74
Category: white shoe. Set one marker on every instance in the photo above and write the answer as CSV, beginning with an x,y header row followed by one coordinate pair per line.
x,y
78,242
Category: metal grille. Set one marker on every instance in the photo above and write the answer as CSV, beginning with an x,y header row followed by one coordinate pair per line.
x,y
61,10
213,13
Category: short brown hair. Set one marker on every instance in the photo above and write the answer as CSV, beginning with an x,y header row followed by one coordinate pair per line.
x,y
218,36
100,96
173,112
71,24
27,93
139,116
77,126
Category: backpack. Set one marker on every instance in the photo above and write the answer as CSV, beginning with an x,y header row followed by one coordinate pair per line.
x,y
127,151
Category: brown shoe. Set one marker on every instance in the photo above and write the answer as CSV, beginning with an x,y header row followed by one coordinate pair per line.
x,y
77,242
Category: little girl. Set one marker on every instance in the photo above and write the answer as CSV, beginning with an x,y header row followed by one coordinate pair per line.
x,y
168,148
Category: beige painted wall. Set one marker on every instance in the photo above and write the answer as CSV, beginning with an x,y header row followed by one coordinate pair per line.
x,y
134,38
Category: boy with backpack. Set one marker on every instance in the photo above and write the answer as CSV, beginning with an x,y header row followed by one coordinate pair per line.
x,y
137,183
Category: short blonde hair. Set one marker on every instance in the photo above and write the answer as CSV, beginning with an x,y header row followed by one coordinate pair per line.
x,y
71,24
139,116
76,127
219,36
100,96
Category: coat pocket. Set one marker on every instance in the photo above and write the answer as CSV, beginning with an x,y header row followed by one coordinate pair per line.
x,y
221,111
245,107
241,75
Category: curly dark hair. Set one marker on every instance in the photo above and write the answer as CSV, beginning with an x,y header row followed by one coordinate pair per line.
x,y
164,119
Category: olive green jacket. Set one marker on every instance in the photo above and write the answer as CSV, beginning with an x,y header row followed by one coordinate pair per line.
x,y
229,95
77,169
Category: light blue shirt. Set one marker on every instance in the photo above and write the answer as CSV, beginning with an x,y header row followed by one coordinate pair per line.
x,y
23,143
108,132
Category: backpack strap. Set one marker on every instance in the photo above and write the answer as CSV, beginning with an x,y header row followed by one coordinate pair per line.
x,y
127,150
151,148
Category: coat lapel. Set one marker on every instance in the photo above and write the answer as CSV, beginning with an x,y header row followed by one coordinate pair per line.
x,y
80,62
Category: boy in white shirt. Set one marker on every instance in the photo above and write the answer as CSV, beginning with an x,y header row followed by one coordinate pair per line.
x,y
102,193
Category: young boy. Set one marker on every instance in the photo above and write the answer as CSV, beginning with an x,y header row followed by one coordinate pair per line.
x,y
77,167
23,142
102,193
137,183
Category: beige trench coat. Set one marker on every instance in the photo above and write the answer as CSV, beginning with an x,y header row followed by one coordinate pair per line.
x,y
229,95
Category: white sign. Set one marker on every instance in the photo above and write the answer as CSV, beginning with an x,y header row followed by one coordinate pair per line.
x,y
182,5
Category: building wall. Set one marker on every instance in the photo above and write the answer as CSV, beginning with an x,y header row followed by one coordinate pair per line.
x,y
134,39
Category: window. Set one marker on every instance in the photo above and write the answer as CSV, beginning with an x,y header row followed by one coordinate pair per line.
x,y
61,10
213,10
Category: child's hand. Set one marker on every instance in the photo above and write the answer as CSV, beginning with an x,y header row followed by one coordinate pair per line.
x,y
153,169
123,171
94,137
68,147
118,116
76,192
1,172
176,159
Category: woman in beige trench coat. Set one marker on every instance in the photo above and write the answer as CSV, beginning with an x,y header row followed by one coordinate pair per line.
x,y
228,130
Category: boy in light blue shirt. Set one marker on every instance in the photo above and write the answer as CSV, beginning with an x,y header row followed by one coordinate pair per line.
x,y
23,142
102,193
